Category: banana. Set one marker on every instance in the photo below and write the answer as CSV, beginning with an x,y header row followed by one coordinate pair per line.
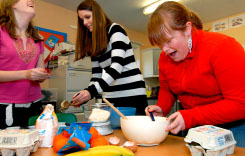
x,y
98,152
107,150
124,151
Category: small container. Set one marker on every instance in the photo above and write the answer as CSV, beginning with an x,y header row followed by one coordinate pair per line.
x,y
87,109
104,128
101,124
19,141
210,140
148,93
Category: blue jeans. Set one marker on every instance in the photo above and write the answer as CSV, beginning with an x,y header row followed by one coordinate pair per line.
x,y
238,130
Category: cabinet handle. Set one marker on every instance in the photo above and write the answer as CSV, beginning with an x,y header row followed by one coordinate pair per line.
x,y
72,74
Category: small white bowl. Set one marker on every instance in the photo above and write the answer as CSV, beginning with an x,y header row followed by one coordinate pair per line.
x,y
143,130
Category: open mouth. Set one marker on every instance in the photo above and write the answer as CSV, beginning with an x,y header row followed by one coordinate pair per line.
x,y
30,5
172,54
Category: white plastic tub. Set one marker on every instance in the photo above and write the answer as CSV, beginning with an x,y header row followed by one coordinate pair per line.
x,y
210,141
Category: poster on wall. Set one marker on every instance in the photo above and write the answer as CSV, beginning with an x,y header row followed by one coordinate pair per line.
x,y
50,37
237,21
220,25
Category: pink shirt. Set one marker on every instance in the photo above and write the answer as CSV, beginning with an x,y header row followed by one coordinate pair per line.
x,y
12,58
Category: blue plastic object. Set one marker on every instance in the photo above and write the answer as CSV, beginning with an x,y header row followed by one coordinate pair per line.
x,y
115,118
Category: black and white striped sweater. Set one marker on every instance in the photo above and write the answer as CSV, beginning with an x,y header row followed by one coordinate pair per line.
x,y
115,73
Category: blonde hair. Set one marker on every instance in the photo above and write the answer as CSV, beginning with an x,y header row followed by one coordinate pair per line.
x,y
167,17
7,21
95,42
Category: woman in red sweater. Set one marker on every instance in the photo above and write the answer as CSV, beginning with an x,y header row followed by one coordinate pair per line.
x,y
205,71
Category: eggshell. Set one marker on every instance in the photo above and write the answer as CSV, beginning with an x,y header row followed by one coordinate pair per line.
x,y
114,140
131,145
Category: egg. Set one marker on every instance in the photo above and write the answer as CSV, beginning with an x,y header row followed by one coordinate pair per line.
x,y
131,145
114,140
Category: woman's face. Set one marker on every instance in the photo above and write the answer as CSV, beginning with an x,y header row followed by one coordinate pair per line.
x,y
25,7
176,48
86,17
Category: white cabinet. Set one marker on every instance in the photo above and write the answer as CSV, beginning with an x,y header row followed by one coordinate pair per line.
x,y
150,59
84,63
136,47
69,81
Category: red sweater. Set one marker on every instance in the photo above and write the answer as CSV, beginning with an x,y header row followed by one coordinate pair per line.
x,y
209,83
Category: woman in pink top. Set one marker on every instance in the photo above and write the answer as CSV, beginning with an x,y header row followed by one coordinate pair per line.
x,y
21,63
205,71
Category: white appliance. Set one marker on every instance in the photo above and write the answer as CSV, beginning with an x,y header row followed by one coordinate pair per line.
x,y
70,79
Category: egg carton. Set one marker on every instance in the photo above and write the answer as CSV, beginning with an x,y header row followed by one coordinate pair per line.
x,y
210,140
19,141
199,151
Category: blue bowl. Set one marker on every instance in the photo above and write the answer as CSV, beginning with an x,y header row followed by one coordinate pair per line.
x,y
115,118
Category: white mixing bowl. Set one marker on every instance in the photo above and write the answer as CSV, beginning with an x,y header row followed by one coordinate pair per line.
x,y
143,130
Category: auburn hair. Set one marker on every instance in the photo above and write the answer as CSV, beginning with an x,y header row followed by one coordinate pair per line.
x,y
170,16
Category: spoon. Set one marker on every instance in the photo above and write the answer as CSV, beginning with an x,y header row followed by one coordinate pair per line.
x,y
152,116
66,104
114,108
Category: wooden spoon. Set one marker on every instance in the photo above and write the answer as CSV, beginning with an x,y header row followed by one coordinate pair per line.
x,y
114,108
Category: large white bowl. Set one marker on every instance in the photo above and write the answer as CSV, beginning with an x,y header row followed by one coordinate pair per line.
x,y
143,130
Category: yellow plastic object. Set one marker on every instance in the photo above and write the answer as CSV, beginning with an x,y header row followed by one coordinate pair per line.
x,y
148,93
62,117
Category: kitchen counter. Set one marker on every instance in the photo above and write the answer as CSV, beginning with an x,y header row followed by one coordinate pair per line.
x,y
172,146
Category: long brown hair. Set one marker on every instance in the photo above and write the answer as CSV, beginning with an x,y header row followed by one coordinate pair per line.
x,y
95,42
167,17
7,21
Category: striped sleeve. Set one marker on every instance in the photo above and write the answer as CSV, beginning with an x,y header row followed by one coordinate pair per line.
x,y
113,69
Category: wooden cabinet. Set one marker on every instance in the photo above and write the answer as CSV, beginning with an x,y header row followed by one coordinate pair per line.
x,y
150,59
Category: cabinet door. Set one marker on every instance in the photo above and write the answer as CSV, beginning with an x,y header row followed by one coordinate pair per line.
x,y
147,63
136,49
156,55
150,62
77,80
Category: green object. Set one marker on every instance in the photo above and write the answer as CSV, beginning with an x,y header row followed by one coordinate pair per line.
x,y
62,117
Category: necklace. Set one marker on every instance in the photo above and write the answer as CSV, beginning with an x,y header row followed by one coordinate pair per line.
x,y
27,55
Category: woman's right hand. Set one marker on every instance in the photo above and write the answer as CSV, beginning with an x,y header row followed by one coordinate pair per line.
x,y
80,98
37,74
156,110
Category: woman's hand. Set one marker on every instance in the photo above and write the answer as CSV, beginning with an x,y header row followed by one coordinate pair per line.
x,y
156,110
177,123
80,98
37,74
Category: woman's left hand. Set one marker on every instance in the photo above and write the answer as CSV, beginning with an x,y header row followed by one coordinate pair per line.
x,y
177,123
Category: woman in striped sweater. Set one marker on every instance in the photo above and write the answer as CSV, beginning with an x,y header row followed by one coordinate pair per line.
x,y
115,74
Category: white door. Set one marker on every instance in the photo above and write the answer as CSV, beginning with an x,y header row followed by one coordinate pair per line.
x,y
78,80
